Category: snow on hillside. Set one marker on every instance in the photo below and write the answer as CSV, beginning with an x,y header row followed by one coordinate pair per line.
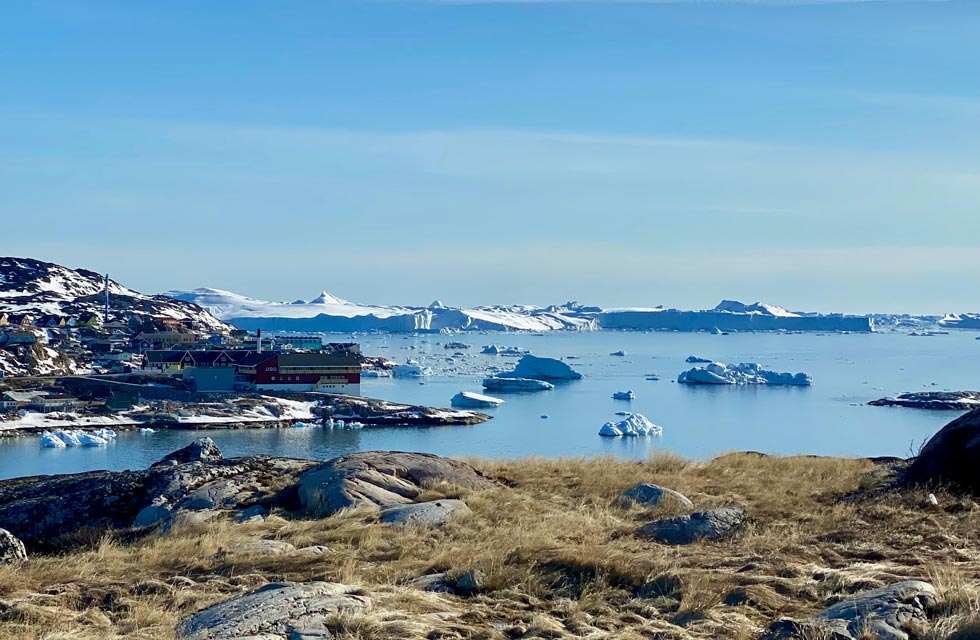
x,y
35,287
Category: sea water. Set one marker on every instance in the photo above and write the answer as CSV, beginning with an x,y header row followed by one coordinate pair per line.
x,y
828,418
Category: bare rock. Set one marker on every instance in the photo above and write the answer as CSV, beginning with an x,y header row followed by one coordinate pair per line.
x,y
277,611
952,456
714,524
380,479
653,495
436,513
201,450
882,614
11,548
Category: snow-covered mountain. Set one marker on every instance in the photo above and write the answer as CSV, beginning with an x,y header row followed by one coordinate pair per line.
x,y
329,313
43,288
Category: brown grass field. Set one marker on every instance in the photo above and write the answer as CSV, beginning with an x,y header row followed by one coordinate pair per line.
x,y
560,557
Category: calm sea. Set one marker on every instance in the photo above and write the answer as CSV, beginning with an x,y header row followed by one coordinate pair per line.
x,y
829,418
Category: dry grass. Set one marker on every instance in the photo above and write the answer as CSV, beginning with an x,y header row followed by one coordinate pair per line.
x,y
559,555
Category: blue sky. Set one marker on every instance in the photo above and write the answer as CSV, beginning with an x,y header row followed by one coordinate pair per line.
x,y
819,155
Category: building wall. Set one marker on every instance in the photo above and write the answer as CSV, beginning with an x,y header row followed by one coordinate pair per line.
x,y
206,379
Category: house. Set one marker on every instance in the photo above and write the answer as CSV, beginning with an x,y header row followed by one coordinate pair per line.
x,y
50,320
21,319
53,402
163,339
231,370
88,320
7,404
23,399
20,337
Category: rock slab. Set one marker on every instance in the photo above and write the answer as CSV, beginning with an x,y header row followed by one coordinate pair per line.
x,y
711,525
380,479
277,611
436,513
653,495
952,456
11,548
882,614
201,450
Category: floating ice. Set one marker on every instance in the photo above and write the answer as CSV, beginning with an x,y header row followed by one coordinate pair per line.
x,y
624,395
542,369
743,373
410,371
694,359
633,425
516,384
470,400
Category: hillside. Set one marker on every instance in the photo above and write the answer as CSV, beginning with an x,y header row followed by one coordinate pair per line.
x,y
43,288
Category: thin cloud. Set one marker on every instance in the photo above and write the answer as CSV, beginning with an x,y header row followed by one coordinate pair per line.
x,y
775,3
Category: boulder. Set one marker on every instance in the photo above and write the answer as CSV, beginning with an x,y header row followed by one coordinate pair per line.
x,y
952,456
277,611
652,495
380,479
436,513
47,512
201,450
714,524
463,584
882,614
11,548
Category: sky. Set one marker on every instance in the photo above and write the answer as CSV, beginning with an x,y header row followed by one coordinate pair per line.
x,y
820,155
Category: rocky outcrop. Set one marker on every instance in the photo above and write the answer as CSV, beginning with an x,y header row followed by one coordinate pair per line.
x,y
48,512
380,479
882,614
11,549
652,495
201,450
711,525
462,584
278,611
940,400
951,457
436,513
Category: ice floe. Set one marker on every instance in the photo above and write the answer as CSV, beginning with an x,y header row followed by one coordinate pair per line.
x,y
624,395
61,438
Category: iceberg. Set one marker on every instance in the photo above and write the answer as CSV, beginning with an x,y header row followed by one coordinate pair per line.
x,y
51,441
618,354
542,369
694,359
633,424
470,400
410,371
494,350
743,373
516,384
624,395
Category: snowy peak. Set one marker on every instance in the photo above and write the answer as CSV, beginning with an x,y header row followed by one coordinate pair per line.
x,y
326,298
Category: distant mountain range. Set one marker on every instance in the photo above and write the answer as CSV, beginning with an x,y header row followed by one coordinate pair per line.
x,y
38,289
329,313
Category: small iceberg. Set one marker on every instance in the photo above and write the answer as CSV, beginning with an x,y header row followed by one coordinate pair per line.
x,y
147,430
624,395
470,400
632,425
494,350
618,354
91,440
375,373
76,438
653,377
696,360
516,384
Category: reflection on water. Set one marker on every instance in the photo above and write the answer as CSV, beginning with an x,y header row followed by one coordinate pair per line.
x,y
828,418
